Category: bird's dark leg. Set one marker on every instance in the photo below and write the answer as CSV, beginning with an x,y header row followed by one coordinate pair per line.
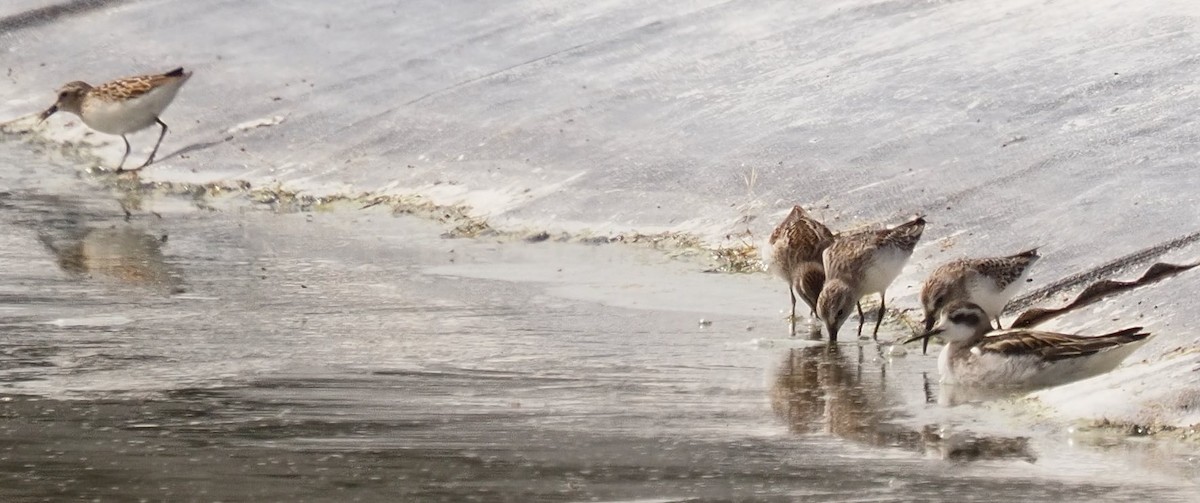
x,y
879,319
120,167
160,139
860,318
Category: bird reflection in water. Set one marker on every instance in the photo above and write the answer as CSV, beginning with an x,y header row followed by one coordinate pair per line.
x,y
819,390
953,394
124,254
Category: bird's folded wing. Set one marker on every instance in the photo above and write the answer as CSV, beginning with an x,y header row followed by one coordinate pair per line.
x,y
1052,346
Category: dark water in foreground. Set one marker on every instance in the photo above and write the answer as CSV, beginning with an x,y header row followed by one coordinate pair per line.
x,y
242,355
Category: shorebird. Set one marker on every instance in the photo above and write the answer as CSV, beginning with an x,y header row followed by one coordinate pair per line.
x,y
860,264
1021,358
122,106
796,246
987,282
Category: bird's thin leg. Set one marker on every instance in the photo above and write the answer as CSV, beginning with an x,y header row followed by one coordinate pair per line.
x,y
122,165
879,319
159,142
860,318
792,319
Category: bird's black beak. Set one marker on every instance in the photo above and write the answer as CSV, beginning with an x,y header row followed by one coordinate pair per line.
x,y
929,321
833,331
49,111
924,338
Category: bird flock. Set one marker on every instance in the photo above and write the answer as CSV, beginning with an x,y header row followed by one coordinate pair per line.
x,y
832,272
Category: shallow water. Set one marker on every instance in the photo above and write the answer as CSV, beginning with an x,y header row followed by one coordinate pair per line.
x,y
238,354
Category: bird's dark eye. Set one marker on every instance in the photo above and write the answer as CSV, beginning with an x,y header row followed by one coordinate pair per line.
x,y
62,94
841,313
965,319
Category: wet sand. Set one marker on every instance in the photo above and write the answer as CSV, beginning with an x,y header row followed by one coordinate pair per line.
x,y
237,354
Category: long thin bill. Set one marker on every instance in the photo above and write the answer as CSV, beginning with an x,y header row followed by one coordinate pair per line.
x,y
49,111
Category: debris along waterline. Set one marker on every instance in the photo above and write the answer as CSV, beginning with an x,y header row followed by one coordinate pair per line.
x,y
735,254
742,256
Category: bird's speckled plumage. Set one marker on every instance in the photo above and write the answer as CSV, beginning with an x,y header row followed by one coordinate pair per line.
x,y
122,106
1052,346
133,87
849,253
796,247
863,263
988,282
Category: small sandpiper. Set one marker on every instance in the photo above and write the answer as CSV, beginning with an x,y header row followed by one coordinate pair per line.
x,y
796,246
122,106
860,264
1021,358
988,282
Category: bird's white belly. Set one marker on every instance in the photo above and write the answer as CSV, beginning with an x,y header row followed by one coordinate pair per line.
x,y
886,266
120,117
989,370
984,292
777,263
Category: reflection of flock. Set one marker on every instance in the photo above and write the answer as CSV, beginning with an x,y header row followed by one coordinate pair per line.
x,y
819,390
832,272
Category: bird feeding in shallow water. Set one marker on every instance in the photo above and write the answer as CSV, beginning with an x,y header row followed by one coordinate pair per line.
x,y
860,264
987,282
975,355
122,106
796,246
